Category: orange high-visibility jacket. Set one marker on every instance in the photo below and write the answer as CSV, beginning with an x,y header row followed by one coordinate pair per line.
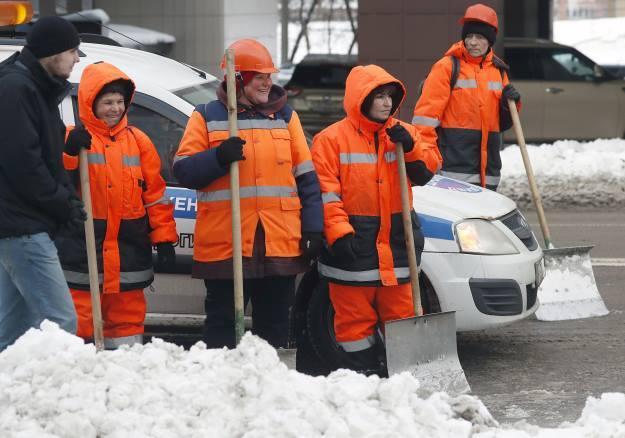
x,y
357,167
130,210
465,122
278,184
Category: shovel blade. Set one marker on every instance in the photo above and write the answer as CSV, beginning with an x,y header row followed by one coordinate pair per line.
x,y
569,290
425,346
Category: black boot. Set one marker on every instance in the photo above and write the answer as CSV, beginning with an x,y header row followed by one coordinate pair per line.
x,y
365,361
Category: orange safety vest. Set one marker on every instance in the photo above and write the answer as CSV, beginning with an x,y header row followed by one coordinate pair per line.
x,y
357,167
464,122
130,210
275,153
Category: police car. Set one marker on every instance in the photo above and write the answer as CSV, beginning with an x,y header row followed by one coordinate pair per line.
x,y
481,258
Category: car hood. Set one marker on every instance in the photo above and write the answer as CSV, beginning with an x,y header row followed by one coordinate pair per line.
x,y
454,200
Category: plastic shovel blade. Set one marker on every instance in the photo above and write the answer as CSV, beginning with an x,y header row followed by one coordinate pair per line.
x,y
425,346
569,290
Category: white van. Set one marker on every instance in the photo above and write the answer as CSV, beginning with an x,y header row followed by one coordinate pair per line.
x,y
481,258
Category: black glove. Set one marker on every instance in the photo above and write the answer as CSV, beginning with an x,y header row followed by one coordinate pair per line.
x,y
311,244
399,134
230,150
166,257
77,213
77,139
343,248
510,93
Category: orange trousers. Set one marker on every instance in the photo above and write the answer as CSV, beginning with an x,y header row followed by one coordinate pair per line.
x,y
359,309
123,313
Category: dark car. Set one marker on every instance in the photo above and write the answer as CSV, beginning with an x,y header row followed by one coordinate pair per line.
x,y
316,89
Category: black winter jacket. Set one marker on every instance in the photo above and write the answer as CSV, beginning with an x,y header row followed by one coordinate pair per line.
x,y
34,187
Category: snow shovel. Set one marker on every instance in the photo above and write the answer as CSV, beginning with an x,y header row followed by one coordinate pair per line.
x,y
425,346
569,265
92,261
237,252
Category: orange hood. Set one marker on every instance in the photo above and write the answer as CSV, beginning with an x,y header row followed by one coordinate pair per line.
x,y
94,78
361,81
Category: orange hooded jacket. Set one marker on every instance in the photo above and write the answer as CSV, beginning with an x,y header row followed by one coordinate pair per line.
x,y
130,210
357,167
465,122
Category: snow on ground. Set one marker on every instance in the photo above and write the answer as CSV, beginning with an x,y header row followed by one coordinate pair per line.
x,y
568,173
53,385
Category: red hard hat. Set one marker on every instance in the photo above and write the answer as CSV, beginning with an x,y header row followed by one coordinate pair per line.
x,y
250,55
481,13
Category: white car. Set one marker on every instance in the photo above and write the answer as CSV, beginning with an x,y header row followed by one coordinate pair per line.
x,y
481,258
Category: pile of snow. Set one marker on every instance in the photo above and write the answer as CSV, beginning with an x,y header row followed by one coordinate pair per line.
x,y
568,173
53,385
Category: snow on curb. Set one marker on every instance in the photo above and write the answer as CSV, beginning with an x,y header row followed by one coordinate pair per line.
x,y
53,385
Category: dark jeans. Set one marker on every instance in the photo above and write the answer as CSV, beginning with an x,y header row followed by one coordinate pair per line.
x,y
271,299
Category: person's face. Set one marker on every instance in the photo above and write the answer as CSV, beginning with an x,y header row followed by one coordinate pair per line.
x,y
110,108
382,104
257,90
61,64
476,44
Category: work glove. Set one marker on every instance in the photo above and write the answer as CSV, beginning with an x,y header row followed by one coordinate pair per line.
x,y
343,248
311,244
77,139
230,150
510,93
166,257
399,134
77,213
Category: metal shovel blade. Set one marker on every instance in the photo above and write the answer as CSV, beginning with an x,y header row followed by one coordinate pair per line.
x,y
425,346
569,290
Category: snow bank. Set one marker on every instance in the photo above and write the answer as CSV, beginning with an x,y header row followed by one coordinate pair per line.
x,y
568,173
51,384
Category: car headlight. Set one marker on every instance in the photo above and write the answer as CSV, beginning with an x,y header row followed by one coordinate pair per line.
x,y
479,236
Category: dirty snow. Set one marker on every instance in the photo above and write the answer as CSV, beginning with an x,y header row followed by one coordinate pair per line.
x,y
53,385
568,173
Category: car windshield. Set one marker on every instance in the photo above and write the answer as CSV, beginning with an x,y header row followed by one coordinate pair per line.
x,y
198,94
320,76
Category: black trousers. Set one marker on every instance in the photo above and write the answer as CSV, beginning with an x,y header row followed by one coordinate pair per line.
x,y
271,298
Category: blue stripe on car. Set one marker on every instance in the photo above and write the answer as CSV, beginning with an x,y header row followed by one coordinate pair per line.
x,y
435,228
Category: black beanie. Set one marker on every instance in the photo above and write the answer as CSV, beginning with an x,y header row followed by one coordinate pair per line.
x,y
50,36
488,31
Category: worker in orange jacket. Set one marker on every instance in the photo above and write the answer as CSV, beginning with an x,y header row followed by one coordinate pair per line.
x,y
281,211
463,107
366,264
130,210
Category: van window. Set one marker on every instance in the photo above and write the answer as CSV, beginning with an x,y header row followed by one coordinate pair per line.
x,y
199,94
320,76
522,64
164,133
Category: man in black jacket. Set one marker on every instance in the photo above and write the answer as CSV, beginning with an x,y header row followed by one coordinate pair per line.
x,y
36,198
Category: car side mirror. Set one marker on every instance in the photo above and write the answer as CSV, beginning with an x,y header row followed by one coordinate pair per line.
x,y
599,74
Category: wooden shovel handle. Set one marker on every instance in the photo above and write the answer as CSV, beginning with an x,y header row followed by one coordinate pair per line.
x,y
92,261
406,209
538,203
237,252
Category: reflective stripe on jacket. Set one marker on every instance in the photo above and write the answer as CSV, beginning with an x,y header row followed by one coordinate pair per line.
x,y
464,122
357,167
130,210
278,183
